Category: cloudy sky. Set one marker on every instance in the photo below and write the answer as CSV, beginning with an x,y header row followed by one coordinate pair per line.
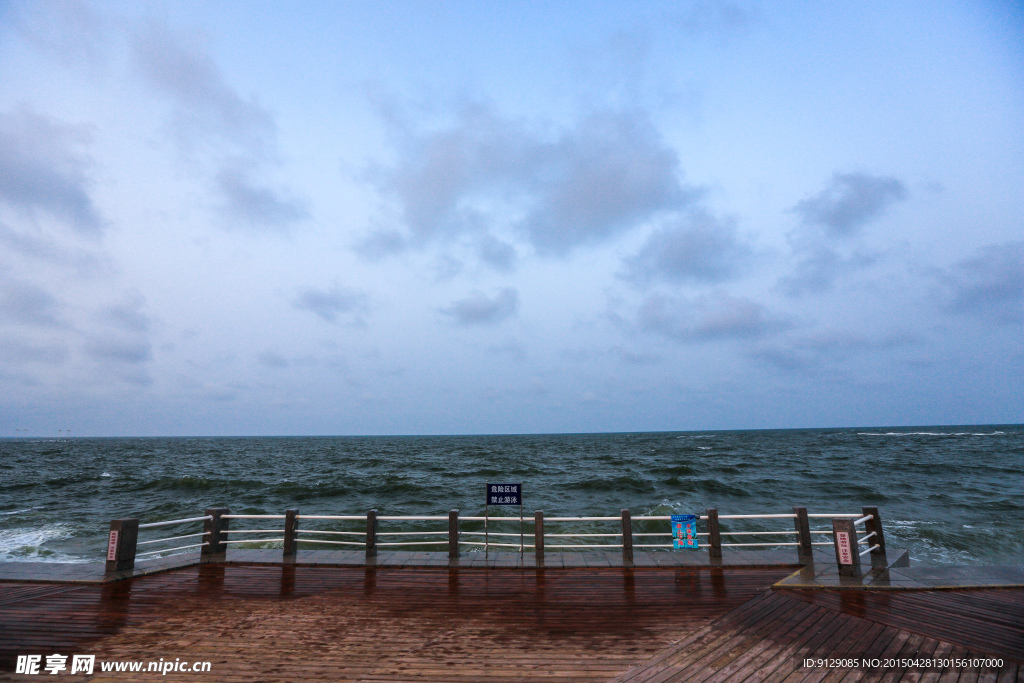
x,y
420,218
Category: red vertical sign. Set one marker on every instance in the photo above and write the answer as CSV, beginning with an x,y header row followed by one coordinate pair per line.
x,y
112,546
845,552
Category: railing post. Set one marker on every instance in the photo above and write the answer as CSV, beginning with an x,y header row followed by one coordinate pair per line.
x,y
215,528
291,526
538,536
874,524
627,539
847,551
371,534
121,544
803,529
453,534
714,537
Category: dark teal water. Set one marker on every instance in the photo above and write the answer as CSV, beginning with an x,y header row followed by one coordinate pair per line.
x,y
952,495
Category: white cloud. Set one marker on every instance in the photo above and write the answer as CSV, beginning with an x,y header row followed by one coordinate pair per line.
x,y
989,285
716,316
328,304
43,168
584,184
480,309
850,201
694,247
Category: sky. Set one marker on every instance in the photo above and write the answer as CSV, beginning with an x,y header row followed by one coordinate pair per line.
x,y
255,218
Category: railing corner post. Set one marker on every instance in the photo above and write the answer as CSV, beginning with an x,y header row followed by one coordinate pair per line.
x,y
122,544
215,529
371,534
627,538
874,524
714,537
291,527
538,536
805,550
453,534
844,532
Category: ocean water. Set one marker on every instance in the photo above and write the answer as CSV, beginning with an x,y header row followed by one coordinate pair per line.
x,y
951,495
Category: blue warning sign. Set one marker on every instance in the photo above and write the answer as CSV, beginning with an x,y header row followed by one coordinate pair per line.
x,y
684,531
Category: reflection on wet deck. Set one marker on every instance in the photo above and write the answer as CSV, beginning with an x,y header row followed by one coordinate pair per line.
x,y
299,623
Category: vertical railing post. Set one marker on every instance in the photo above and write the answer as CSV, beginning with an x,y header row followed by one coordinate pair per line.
x,y
121,544
714,536
453,534
371,534
874,524
803,535
538,536
215,529
291,526
627,539
844,531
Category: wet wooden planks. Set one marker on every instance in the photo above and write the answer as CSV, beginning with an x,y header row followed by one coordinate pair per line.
x,y
981,619
383,624
10,593
771,637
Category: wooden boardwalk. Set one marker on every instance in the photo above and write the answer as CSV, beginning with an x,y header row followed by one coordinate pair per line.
x,y
772,637
287,623
313,623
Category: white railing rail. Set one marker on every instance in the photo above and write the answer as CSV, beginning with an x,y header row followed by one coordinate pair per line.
x,y
174,521
161,551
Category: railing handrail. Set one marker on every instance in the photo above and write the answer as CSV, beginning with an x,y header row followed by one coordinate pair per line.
x,y
170,538
844,515
575,519
167,550
169,522
440,518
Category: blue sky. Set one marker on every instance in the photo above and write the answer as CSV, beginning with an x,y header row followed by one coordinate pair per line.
x,y
416,218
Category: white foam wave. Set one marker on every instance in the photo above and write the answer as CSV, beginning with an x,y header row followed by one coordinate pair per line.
x,y
930,433
27,545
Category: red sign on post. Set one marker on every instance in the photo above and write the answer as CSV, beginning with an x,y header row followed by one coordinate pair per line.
x,y
845,552
112,546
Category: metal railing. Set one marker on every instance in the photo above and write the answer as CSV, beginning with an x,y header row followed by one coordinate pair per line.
x,y
347,532
123,541
172,522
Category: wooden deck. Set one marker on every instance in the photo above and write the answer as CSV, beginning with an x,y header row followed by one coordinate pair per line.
x,y
771,637
287,623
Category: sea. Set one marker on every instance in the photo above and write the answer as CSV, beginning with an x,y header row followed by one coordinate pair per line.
x,y
951,495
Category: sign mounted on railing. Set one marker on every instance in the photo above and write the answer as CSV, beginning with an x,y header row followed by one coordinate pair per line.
x,y
684,531
112,546
843,544
504,494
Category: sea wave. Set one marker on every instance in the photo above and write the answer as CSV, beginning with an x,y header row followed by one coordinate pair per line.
x,y
931,433
27,545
